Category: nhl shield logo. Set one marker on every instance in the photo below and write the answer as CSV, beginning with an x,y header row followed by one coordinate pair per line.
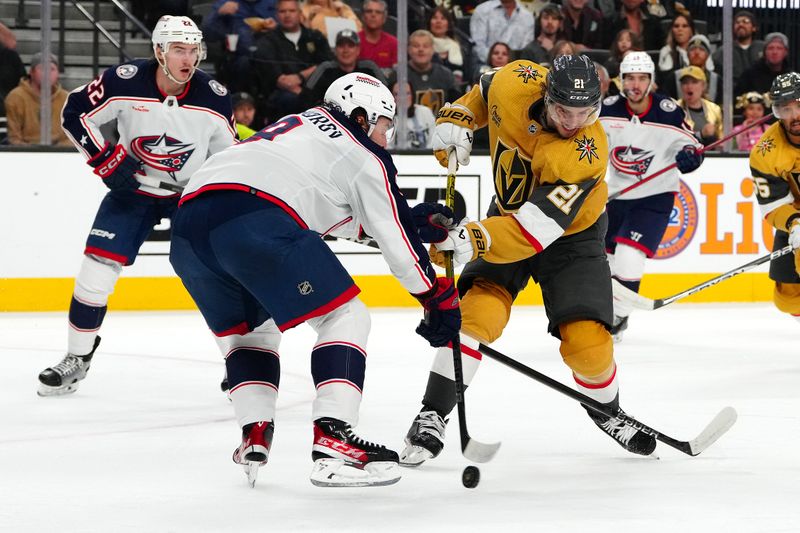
x,y
305,288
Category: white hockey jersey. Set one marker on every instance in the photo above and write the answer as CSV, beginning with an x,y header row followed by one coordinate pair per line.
x,y
639,145
171,135
325,172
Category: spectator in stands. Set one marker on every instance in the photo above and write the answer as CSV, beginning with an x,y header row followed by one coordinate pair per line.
x,y
624,41
605,79
548,32
284,59
775,61
703,116
453,53
11,71
746,49
229,29
699,52
583,25
23,104
244,112
315,13
376,44
673,56
7,38
502,21
433,84
420,123
634,16
345,61
563,48
499,56
753,106
244,108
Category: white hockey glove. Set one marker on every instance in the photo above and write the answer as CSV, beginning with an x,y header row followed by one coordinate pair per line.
x,y
468,241
794,234
454,125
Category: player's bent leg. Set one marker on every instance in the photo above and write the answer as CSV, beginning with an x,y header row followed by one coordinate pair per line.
x,y
338,364
587,349
485,310
628,269
787,298
93,285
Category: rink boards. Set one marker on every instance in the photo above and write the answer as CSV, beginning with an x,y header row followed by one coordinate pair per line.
x,y
49,201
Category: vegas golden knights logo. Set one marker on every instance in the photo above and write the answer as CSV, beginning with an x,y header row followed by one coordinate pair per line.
x,y
431,98
513,177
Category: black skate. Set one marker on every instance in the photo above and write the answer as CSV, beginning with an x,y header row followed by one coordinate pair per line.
x,y
424,440
629,438
64,377
618,328
254,450
343,459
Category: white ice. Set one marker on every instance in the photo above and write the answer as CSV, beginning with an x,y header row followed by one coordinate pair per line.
x,y
145,444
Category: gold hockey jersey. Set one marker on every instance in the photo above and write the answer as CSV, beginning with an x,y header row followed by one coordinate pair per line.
x,y
775,166
545,185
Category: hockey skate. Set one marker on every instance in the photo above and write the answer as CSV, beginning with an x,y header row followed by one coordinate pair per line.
x,y
629,438
618,328
64,377
424,440
343,459
254,450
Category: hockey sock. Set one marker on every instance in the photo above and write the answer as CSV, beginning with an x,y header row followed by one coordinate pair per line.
x,y
440,393
84,321
94,283
338,361
605,392
254,376
628,270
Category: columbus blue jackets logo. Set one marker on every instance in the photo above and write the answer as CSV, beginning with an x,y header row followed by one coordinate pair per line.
x,y
162,152
631,160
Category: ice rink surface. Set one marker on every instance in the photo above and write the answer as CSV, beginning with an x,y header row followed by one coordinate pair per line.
x,y
145,444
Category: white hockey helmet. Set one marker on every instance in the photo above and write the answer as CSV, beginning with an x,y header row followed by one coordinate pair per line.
x,y
361,91
171,29
638,62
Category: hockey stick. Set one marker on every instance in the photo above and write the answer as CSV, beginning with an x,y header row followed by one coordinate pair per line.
x,y
713,431
703,150
638,301
473,450
165,185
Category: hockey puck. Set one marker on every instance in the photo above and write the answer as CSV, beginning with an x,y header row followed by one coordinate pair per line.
x,y
470,477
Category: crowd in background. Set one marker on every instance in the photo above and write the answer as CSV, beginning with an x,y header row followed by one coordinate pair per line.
x,y
279,56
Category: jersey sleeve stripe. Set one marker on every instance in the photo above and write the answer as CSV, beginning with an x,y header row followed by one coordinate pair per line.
x,y
528,237
766,209
537,227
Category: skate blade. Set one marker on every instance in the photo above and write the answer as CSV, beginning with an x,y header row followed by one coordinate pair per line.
x,y
251,470
47,391
413,456
339,473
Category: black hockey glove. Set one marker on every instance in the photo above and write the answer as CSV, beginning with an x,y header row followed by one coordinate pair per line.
x,y
689,159
442,320
116,167
432,221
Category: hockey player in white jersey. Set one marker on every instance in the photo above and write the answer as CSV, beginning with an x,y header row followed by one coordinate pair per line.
x,y
247,245
170,118
646,132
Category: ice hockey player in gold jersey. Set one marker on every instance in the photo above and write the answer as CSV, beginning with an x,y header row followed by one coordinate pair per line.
x,y
549,156
775,166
